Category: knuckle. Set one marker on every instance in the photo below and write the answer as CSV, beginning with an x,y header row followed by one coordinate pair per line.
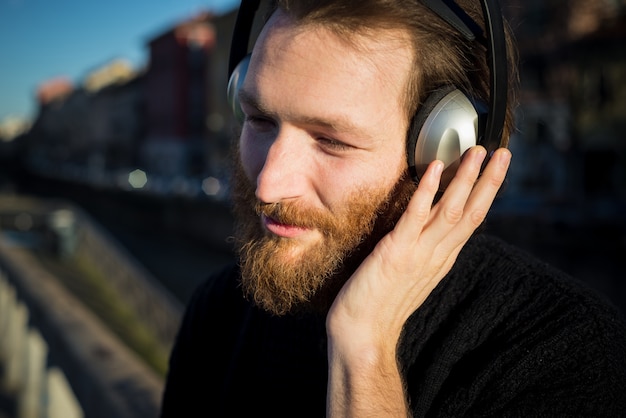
x,y
470,181
418,211
453,214
477,217
420,214
495,182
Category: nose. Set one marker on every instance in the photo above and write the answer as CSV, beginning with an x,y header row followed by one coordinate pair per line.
x,y
282,168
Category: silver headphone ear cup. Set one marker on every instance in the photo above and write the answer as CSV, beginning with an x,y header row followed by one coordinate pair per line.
x,y
234,84
444,127
450,129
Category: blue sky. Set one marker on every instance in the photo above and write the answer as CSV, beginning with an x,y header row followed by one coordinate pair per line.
x,y
44,39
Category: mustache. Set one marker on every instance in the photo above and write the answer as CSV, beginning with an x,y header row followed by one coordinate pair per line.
x,y
289,213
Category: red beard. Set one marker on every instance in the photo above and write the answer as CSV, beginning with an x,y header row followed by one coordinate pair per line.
x,y
283,275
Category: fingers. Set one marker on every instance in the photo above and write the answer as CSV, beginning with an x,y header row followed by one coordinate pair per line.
x,y
466,202
452,204
487,187
463,206
418,211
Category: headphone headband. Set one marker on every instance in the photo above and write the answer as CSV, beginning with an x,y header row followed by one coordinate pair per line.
x,y
490,135
241,33
457,18
497,63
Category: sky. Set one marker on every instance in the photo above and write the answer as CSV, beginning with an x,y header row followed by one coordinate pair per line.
x,y
45,39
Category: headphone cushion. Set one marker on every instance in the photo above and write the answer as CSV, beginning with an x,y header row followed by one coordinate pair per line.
x,y
234,84
417,122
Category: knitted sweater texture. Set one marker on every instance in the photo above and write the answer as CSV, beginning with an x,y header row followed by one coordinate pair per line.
x,y
503,334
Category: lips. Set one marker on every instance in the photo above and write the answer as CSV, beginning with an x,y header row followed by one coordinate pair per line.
x,y
280,229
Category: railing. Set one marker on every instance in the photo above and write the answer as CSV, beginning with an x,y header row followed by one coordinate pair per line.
x,y
57,359
31,387
72,233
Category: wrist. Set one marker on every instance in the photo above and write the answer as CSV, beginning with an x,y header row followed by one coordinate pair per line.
x,y
364,380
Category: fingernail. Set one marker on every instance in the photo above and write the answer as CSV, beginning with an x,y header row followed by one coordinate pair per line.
x,y
505,157
438,168
480,155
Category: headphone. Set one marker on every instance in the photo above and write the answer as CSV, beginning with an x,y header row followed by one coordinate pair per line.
x,y
448,122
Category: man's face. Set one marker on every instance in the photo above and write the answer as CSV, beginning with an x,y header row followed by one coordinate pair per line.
x,y
321,152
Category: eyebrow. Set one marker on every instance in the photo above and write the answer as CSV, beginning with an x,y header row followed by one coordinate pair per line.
x,y
337,124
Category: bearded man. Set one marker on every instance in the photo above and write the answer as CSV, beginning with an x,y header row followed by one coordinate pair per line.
x,y
360,292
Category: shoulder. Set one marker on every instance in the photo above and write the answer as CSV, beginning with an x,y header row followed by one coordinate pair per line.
x,y
509,331
494,265
518,288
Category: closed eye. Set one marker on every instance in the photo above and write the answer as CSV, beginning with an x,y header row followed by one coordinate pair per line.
x,y
332,144
260,123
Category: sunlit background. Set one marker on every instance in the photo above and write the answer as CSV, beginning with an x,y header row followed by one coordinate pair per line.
x,y
68,39
114,163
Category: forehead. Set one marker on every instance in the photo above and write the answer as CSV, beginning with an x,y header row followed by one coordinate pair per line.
x,y
380,48
303,62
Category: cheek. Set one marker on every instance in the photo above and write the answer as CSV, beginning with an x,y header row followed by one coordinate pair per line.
x,y
389,171
379,171
340,180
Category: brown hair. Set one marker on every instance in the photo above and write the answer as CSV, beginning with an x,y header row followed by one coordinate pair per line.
x,y
442,55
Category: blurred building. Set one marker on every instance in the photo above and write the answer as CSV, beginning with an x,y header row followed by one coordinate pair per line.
x,y
54,124
54,90
219,118
83,131
13,126
114,116
175,95
572,112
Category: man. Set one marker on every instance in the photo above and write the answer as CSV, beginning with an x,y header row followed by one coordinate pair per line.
x,y
358,292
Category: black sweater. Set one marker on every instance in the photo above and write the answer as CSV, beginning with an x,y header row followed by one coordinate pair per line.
x,y
502,335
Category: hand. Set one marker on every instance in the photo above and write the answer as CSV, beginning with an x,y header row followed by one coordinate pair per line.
x,y
366,319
